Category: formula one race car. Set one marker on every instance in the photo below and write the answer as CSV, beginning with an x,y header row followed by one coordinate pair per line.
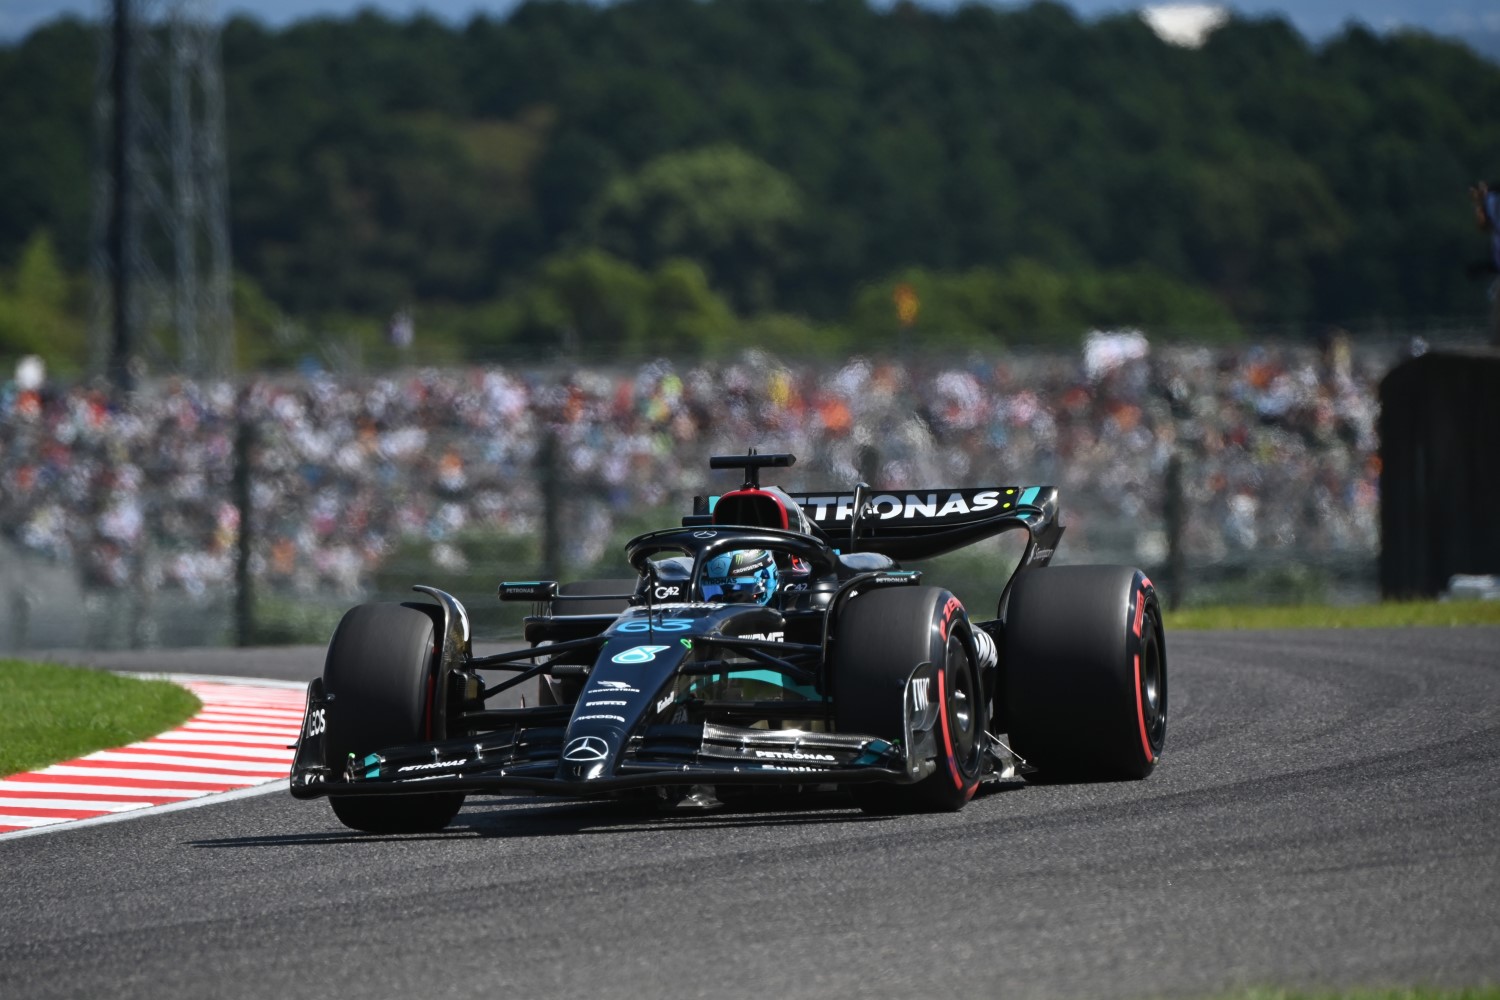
x,y
772,640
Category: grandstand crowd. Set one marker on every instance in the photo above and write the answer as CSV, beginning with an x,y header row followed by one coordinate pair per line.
x,y
1277,446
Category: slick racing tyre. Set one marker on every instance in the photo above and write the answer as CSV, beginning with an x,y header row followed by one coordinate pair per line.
x,y
881,636
556,692
1085,665
378,683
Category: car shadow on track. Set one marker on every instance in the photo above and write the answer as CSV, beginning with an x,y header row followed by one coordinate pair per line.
x,y
517,817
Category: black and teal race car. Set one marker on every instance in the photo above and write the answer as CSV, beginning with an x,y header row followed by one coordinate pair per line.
x,y
772,640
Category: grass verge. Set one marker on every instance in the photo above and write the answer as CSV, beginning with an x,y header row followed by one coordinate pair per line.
x,y
54,713
1390,614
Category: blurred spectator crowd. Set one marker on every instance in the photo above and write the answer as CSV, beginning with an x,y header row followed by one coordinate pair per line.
x,y
1277,445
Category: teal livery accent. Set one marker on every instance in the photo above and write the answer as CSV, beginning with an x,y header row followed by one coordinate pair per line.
x,y
373,772
1028,497
772,678
874,753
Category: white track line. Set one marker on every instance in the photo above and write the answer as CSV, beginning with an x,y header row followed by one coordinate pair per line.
x,y
178,735
197,762
213,777
259,716
7,802
42,789
237,746
35,824
233,727
245,753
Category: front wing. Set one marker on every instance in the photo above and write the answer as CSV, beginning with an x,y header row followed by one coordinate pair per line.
x,y
527,755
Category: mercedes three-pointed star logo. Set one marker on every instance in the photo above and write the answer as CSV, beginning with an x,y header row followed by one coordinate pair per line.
x,y
586,748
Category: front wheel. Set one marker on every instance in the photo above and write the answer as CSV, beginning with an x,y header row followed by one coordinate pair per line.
x,y
379,681
1085,690
881,637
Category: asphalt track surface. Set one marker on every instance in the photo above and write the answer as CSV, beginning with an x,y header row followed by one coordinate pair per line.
x,y
1327,814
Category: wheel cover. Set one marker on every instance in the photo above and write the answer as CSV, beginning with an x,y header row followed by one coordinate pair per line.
x,y
962,707
1153,684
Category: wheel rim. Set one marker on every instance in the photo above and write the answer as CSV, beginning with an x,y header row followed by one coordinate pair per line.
x,y
963,703
1153,683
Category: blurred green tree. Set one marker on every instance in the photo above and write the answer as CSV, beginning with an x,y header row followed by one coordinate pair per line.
x,y
797,153
718,205
39,311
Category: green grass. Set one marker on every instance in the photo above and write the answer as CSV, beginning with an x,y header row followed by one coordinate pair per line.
x,y
50,713
1390,614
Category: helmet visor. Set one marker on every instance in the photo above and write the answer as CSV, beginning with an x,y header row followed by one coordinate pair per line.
x,y
741,590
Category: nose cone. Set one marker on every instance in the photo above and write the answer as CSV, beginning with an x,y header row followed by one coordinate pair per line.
x,y
585,758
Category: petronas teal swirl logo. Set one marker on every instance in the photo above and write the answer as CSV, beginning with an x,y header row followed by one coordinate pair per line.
x,y
638,654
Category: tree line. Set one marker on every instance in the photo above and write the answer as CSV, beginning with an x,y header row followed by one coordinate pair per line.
x,y
682,175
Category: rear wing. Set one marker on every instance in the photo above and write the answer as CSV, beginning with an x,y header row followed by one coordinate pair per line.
x,y
921,524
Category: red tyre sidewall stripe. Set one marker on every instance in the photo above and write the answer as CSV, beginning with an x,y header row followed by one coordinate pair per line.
x,y
1137,624
945,631
958,780
1140,712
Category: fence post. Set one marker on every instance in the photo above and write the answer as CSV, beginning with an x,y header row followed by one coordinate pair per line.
x,y
20,619
1174,516
550,473
869,464
244,597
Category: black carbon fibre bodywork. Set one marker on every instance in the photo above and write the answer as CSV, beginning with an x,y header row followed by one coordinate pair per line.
x,y
685,693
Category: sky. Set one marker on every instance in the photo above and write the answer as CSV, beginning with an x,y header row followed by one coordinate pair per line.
x,y
1314,18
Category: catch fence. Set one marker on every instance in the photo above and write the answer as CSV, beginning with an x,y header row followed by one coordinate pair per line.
x,y
216,513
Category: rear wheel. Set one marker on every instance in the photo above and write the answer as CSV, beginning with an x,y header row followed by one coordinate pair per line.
x,y
1085,691
379,681
884,634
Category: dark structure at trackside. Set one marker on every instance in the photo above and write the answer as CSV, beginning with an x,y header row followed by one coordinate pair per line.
x,y
1440,471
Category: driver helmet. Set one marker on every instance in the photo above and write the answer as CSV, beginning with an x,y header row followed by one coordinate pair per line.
x,y
746,576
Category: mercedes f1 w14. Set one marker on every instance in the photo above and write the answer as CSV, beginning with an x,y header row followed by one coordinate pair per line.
x,y
773,639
